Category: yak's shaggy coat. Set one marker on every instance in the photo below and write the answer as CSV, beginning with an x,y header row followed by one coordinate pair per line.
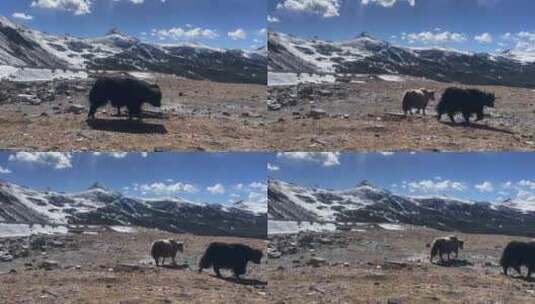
x,y
517,254
165,249
446,246
464,101
417,99
229,256
123,92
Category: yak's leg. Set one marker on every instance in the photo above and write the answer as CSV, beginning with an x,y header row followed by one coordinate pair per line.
x,y
157,260
424,111
118,111
505,268
163,260
216,270
92,111
174,260
479,115
466,116
236,273
529,272
452,117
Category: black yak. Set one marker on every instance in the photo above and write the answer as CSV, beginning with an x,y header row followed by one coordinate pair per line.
x,y
416,99
446,245
517,254
464,101
123,92
165,249
229,256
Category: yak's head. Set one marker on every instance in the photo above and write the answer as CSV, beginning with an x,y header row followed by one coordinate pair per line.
x,y
178,245
154,95
430,95
256,256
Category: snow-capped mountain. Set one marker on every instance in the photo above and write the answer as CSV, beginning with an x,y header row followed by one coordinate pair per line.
x,y
21,46
367,55
99,206
367,203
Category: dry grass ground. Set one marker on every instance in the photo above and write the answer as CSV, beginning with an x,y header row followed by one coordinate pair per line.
x,y
96,282
375,121
393,267
195,115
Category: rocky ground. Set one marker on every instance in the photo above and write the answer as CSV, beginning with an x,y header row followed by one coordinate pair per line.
x,y
365,114
374,265
195,115
114,267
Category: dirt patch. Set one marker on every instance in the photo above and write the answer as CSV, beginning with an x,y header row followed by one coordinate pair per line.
x,y
368,116
89,273
381,266
195,115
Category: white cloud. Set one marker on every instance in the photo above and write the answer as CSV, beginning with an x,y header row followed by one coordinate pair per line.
x,y
387,3
4,170
434,37
430,186
258,186
238,34
118,154
484,38
178,33
325,8
256,201
485,187
523,40
78,7
58,160
216,189
22,16
271,167
112,154
272,19
160,188
386,153
328,159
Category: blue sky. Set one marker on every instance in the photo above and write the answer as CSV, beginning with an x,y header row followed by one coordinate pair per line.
x,y
200,177
448,23
489,177
216,23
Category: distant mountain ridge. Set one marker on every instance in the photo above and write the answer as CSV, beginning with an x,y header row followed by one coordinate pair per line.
x,y
98,206
367,203
367,55
21,46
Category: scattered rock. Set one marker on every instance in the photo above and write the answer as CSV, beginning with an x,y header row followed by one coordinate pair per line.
x,y
316,262
49,265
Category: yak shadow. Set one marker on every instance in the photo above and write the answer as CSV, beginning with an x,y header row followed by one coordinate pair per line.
x,y
242,281
522,278
476,126
175,266
454,263
126,126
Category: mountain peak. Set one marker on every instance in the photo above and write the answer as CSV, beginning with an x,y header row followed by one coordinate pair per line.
x,y
366,183
365,35
96,186
115,31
